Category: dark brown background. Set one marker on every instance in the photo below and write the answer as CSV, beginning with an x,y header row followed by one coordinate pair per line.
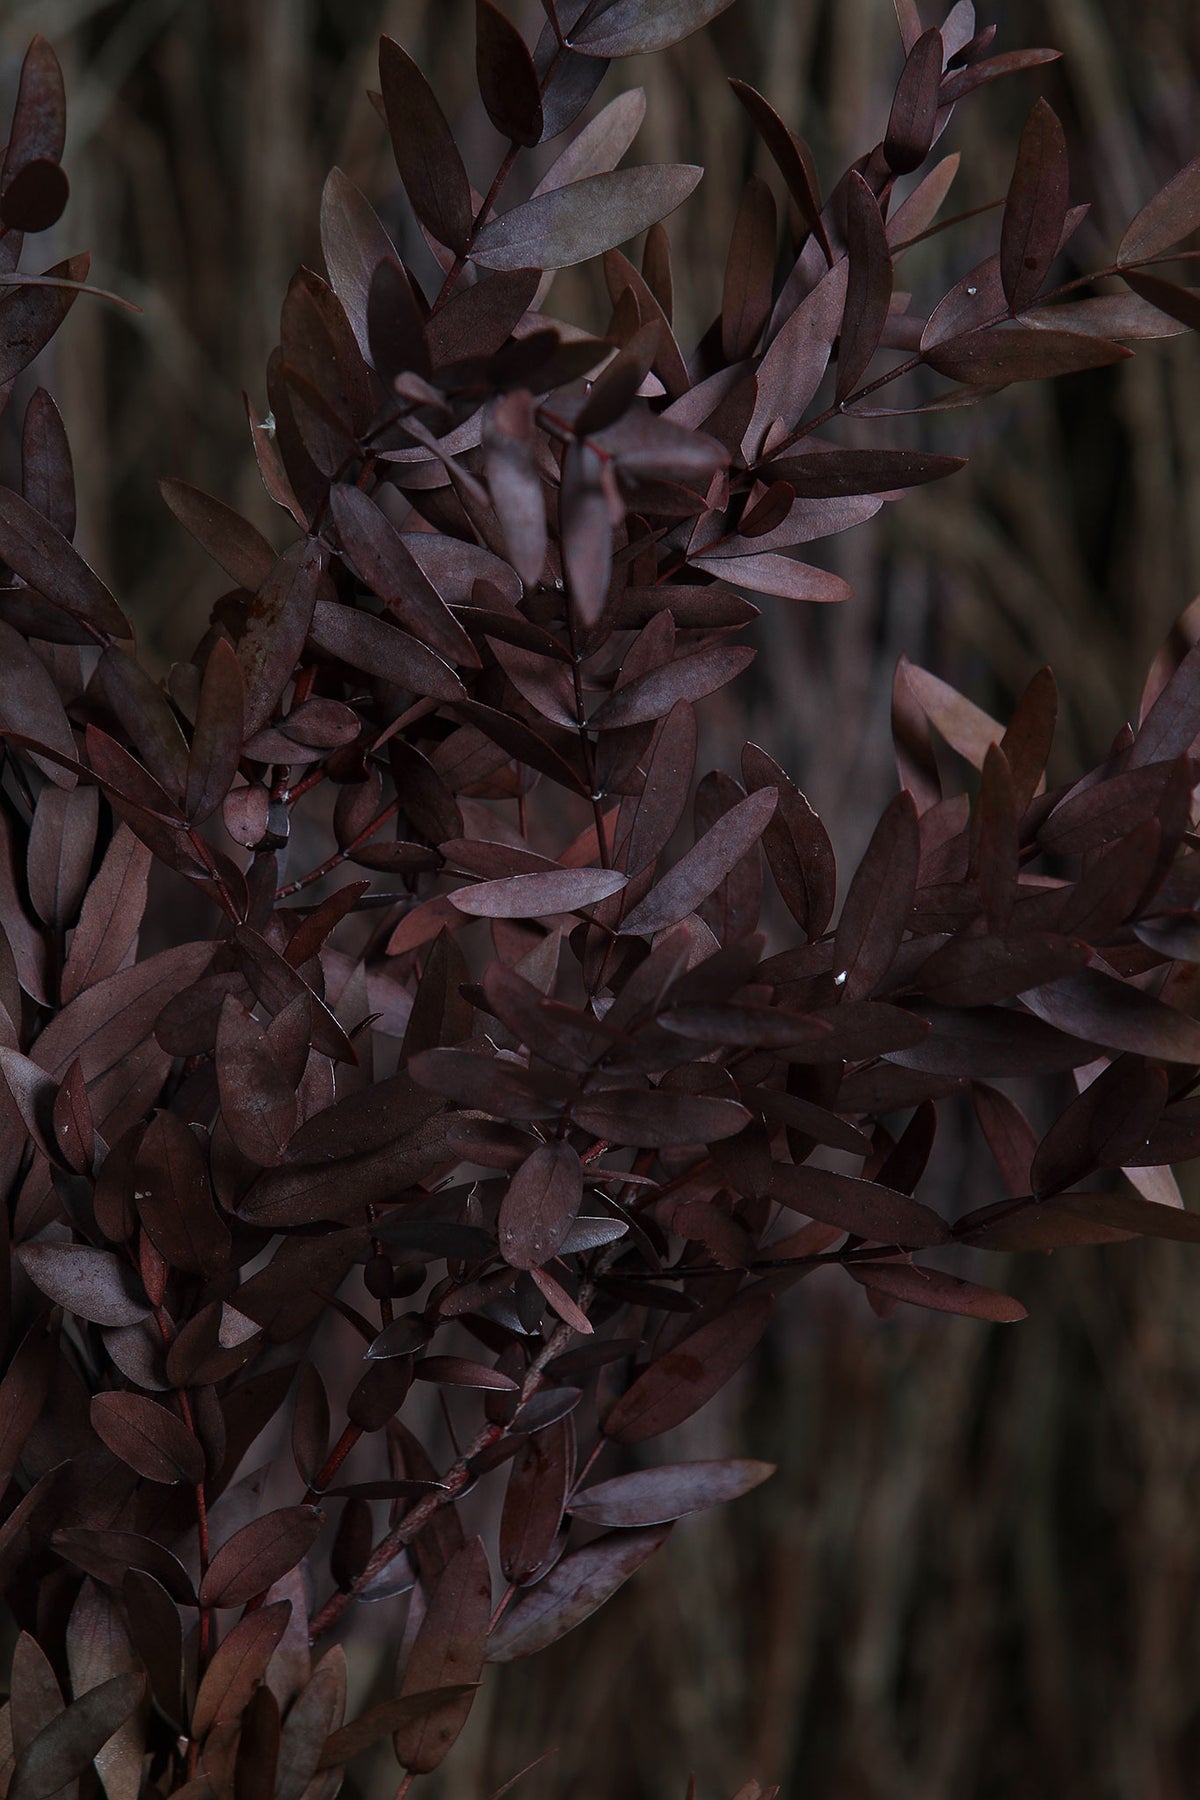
x,y
977,1575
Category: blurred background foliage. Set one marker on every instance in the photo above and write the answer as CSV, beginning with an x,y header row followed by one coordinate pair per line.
x,y
977,1575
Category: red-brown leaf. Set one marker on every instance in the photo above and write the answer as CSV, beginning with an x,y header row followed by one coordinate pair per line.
x,y
702,868
540,1205
655,1496
1167,217
258,1554
571,1592
913,118
65,1747
30,704
538,895
277,622
383,650
534,1500
92,1284
749,272
508,81
148,1437
797,845
217,738
43,557
258,1102
878,902
1109,1012
864,1208
656,1118
1036,208
998,354
938,1292
570,224
448,1651
110,916
174,1199
238,1666
678,1383
240,549
630,28
868,288
426,154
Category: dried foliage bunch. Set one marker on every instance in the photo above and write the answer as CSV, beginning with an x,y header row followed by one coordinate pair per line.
x,y
524,1107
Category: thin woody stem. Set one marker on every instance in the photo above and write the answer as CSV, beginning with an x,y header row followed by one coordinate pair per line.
x,y
339,856
456,1479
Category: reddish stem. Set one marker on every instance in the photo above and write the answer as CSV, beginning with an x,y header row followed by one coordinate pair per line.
x,y
457,1478
339,856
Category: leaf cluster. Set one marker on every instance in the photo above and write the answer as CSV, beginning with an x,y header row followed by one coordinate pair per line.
x,y
478,1061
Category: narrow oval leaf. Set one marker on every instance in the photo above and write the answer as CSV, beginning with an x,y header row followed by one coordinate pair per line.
x,y
59,857
661,804
536,896
44,558
864,1208
657,1119
30,314
383,650
771,573
868,287
1036,208
797,845
426,154
508,81
651,696
31,199
678,1383
382,560
232,542
23,1393
383,1720
238,1666
534,1500
460,1371
570,224
540,1205
878,902
92,1284
1167,217
312,1718
258,1101
148,1437
654,1496
277,622
701,869
1179,303
631,28
30,704
111,914
939,1292
257,1555
217,739
913,120
829,473
792,157
792,369
514,482
749,271
174,1199
65,1747
571,1592
998,354
1106,1011
447,1652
